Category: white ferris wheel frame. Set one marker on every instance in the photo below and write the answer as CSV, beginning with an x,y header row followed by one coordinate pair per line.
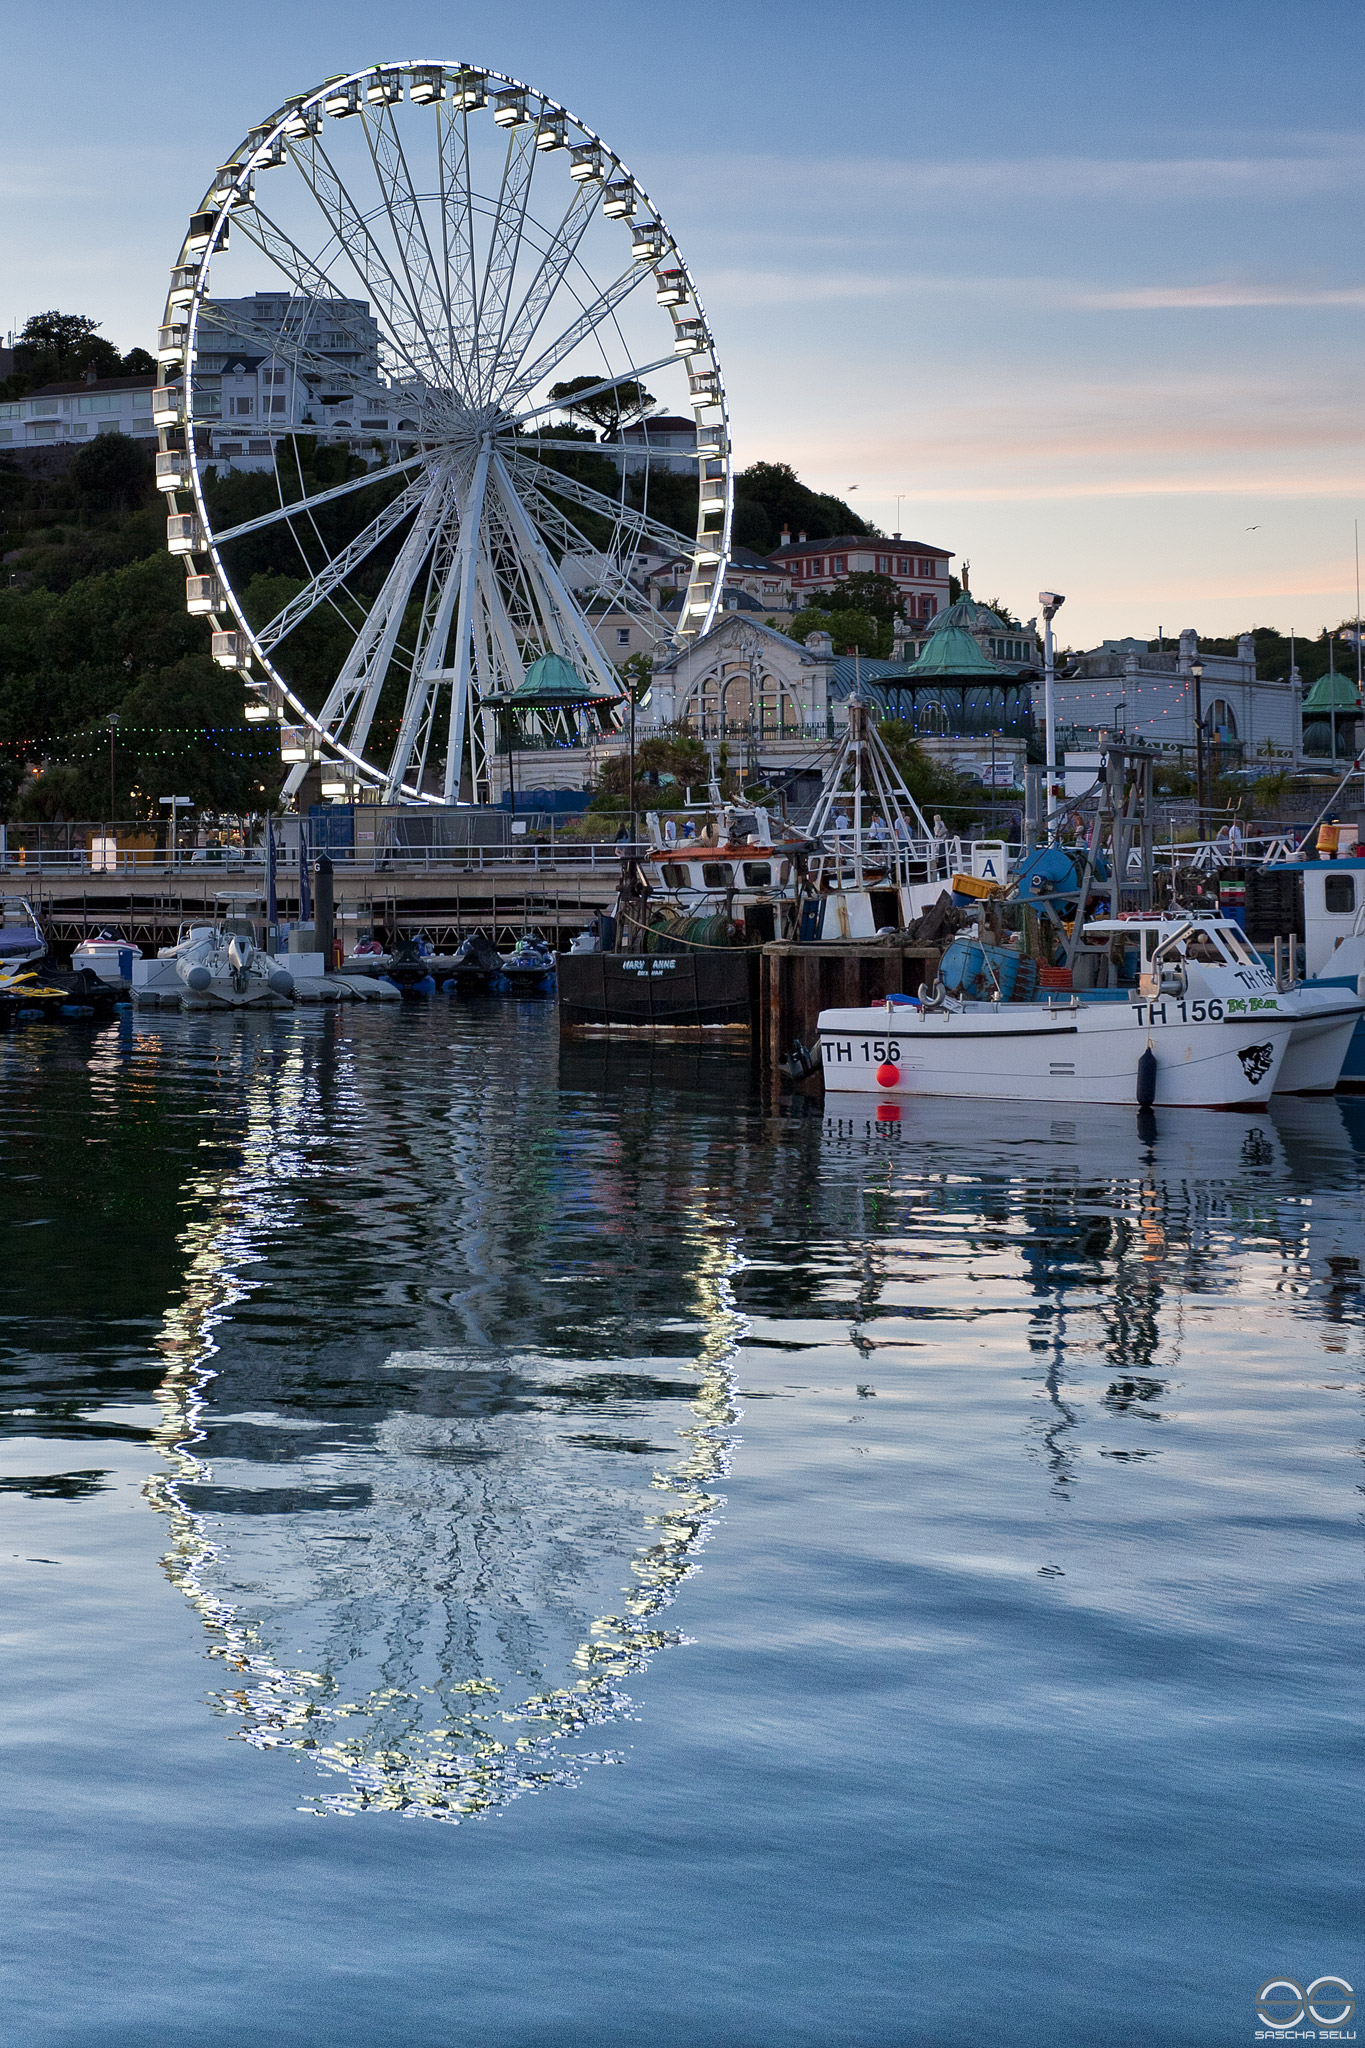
x,y
484,494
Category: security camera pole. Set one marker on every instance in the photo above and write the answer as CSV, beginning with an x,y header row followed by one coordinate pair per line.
x,y
1052,602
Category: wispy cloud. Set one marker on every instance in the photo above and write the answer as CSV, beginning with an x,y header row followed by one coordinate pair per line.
x,y
818,183
735,286
1197,297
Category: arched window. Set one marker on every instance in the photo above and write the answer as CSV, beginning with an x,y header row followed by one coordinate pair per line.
x,y
1223,720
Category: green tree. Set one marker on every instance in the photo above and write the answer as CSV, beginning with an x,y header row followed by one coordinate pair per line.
x,y
933,787
847,629
674,760
113,473
666,495
878,596
770,496
56,347
619,405
637,673
182,730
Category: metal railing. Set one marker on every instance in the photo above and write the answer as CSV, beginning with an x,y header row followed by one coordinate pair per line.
x,y
1208,855
529,857
909,861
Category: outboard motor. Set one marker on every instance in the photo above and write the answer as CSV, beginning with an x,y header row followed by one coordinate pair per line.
x,y
240,951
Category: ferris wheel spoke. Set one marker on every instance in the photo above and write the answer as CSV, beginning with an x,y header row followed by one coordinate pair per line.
x,y
457,244
535,445
303,506
375,272
594,315
505,243
589,500
418,720
447,587
633,373
545,283
578,642
352,699
310,280
334,574
406,218
461,593
511,672
613,583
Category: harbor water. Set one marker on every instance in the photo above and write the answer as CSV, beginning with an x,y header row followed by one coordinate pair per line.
x,y
516,1544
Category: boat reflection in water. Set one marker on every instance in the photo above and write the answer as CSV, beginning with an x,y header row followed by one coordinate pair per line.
x,y
1120,1224
410,1552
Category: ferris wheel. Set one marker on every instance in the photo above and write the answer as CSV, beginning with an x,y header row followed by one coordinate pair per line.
x,y
442,413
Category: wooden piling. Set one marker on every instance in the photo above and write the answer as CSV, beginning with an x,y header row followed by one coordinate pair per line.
x,y
799,981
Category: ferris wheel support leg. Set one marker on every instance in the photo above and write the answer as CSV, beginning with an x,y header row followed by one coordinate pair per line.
x,y
428,673
461,586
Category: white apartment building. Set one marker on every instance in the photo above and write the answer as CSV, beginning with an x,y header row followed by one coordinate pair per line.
x,y
248,358
66,414
249,381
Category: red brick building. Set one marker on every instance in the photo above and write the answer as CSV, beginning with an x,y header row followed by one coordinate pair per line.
x,y
919,570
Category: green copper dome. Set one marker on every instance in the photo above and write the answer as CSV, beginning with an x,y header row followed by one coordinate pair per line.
x,y
1332,693
951,651
969,616
552,681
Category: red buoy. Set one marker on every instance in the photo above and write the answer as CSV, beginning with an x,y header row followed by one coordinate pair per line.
x,y
887,1075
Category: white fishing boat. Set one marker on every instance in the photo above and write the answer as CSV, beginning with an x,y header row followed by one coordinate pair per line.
x,y
867,863
1204,1027
736,868
1324,1016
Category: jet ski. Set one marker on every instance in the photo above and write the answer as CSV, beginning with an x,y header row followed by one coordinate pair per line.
x,y
477,962
408,967
530,966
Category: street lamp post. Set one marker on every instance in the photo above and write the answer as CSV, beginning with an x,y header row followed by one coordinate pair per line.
x,y
1052,602
1197,672
177,805
630,692
112,722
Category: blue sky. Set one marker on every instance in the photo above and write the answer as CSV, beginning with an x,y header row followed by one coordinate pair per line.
x,y
1083,283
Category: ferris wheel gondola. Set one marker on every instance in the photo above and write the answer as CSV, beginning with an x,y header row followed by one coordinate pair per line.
x,y
451,276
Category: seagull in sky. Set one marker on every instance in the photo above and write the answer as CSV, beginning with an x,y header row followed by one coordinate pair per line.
x,y
1253,529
